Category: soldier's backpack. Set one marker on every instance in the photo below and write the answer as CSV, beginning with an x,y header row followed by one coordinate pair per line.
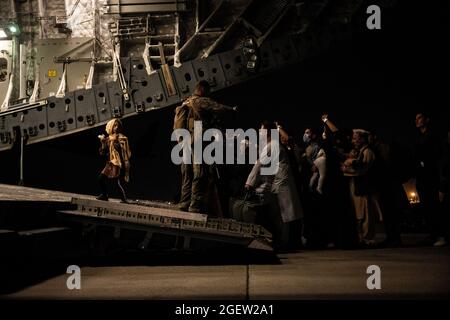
x,y
180,120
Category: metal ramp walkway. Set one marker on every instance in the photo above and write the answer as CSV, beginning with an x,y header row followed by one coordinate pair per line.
x,y
159,220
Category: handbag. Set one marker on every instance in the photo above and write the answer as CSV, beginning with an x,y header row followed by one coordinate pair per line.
x,y
247,209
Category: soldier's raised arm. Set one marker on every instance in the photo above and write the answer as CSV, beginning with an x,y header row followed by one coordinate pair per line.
x,y
212,105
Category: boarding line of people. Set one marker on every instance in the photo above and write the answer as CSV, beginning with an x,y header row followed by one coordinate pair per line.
x,y
330,189
347,181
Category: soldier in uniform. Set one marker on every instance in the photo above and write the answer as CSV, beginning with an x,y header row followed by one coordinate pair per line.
x,y
194,177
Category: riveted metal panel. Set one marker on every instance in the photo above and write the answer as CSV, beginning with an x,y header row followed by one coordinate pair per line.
x,y
33,122
152,92
102,102
233,63
127,106
138,81
211,70
86,108
7,122
126,69
217,72
185,78
115,98
61,114
137,102
137,68
201,69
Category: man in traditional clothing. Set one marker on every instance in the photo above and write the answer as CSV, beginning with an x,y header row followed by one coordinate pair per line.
x,y
362,188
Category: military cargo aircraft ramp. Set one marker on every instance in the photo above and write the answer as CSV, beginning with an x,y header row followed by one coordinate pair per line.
x,y
40,210
168,221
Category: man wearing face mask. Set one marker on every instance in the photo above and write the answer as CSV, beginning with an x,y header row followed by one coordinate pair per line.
x,y
313,147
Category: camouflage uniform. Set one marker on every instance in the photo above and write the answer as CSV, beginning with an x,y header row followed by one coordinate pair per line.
x,y
194,177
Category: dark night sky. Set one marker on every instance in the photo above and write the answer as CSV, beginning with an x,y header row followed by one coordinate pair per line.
x,y
377,80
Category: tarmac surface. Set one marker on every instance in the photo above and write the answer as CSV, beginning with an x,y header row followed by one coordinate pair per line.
x,y
405,273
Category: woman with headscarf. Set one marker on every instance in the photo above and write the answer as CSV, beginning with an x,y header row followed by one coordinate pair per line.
x,y
117,150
